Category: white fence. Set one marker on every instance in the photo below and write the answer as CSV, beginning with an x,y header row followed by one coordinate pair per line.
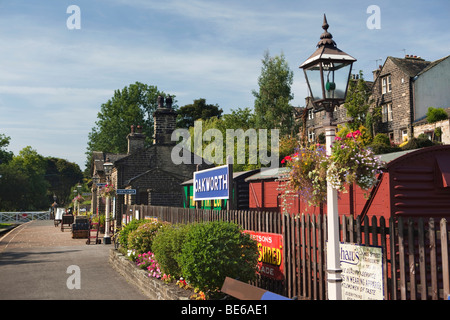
x,y
23,216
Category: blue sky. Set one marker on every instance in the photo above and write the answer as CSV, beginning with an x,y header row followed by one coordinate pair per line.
x,y
53,80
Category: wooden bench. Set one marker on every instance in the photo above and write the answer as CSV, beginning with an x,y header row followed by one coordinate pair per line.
x,y
245,291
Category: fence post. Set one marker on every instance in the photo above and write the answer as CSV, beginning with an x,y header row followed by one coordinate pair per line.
x,y
445,260
433,260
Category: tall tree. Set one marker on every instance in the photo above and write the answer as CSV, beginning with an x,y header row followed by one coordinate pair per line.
x,y
61,175
5,156
357,102
199,110
272,108
133,105
23,185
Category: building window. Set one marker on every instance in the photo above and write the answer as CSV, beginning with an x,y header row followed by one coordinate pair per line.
x,y
311,135
386,85
310,114
404,135
386,112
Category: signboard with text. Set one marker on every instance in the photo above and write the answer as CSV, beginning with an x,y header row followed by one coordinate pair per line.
x,y
270,259
213,183
126,191
362,272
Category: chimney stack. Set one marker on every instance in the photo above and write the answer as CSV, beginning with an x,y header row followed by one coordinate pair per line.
x,y
136,140
164,121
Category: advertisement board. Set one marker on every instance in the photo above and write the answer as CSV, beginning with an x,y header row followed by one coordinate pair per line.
x,y
362,272
270,259
213,183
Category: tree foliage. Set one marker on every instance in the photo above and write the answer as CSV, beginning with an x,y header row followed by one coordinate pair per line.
x,y
133,105
28,180
272,100
357,102
196,111
436,114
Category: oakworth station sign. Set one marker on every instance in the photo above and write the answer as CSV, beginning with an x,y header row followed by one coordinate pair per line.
x,y
215,183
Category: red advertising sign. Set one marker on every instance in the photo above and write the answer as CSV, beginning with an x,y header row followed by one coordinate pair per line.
x,y
270,260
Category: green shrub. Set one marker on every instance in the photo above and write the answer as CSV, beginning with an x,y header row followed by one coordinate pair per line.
x,y
141,239
416,143
381,138
436,114
167,246
215,250
126,230
381,148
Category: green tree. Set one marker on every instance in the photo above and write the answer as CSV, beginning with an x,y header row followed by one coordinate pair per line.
x,y
436,114
23,185
272,108
5,156
357,102
62,175
133,105
239,119
199,110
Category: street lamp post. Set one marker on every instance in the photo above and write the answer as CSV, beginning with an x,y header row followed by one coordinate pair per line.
x,y
107,166
327,72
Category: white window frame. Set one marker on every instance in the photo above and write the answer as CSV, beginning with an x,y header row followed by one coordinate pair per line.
x,y
386,112
311,135
390,116
386,84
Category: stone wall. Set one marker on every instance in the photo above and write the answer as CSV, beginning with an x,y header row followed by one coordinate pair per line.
x,y
430,127
399,97
154,289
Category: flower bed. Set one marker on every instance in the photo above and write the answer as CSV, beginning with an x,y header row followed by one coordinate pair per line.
x,y
154,288
202,253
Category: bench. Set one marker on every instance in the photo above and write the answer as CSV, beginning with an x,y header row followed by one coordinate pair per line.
x,y
244,291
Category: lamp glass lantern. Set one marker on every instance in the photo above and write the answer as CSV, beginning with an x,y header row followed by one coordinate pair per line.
x,y
107,166
327,72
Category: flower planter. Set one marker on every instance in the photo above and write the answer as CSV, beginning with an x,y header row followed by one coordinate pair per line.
x,y
154,289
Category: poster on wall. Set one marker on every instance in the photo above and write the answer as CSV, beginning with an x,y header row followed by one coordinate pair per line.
x,y
362,272
270,259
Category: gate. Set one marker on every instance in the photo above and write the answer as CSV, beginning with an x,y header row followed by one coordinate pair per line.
x,y
23,216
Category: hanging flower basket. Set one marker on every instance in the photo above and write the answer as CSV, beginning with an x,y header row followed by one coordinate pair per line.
x,y
78,199
348,163
308,173
351,163
107,191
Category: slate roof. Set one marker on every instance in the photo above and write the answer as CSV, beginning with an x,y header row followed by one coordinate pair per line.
x,y
411,67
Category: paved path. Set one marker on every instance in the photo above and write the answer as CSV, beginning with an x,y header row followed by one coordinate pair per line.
x,y
34,262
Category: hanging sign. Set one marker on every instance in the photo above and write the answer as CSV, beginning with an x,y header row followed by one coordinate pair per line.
x,y
126,191
213,183
362,272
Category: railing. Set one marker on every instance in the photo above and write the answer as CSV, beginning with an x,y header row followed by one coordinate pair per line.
x,y
23,216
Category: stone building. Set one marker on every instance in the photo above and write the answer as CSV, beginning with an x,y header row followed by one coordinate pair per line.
x,y
404,88
150,171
